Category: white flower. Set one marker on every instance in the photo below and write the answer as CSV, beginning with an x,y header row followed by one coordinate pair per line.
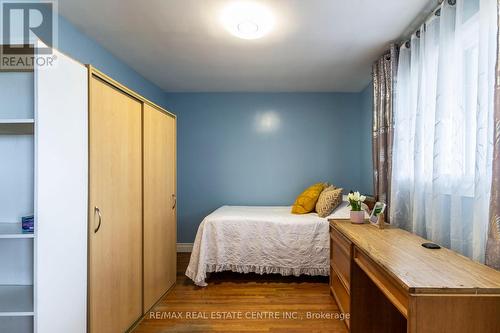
x,y
356,196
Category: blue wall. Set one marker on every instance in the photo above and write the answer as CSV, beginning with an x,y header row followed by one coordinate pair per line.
x,y
261,149
366,96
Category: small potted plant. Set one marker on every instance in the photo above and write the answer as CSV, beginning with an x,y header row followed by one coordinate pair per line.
x,y
357,212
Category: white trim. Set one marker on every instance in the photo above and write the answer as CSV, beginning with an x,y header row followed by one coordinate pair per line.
x,y
184,247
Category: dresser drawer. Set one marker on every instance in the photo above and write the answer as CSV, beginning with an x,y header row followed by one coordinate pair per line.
x,y
341,240
340,256
340,294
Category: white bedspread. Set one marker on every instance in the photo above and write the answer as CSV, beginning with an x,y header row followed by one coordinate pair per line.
x,y
261,240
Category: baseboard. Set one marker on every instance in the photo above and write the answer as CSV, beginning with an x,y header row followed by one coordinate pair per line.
x,y
184,247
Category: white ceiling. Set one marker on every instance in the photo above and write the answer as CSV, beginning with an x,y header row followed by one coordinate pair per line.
x,y
316,45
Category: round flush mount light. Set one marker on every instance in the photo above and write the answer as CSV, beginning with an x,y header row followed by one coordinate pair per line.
x,y
247,20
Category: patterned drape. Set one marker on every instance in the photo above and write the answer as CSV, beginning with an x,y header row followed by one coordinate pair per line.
x,y
384,80
493,243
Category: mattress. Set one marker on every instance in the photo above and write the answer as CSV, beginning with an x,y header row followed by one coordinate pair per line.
x,y
262,240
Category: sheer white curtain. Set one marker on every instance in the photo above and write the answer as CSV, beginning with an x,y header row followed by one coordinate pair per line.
x,y
443,133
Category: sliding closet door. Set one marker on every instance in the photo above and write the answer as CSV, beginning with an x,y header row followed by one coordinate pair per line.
x,y
115,209
159,204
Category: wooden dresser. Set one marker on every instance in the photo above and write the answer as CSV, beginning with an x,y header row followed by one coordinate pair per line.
x,y
388,282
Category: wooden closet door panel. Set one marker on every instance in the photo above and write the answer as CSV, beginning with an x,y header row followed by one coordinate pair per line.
x,y
172,224
115,258
159,210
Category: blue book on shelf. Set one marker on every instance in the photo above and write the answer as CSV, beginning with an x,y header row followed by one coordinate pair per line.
x,y
28,224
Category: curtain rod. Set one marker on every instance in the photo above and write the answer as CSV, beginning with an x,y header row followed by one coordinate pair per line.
x,y
417,23
435,12
415,26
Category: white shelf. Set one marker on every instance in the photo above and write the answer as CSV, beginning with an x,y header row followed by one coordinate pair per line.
x,y
17,126
13,230
17,120
16,301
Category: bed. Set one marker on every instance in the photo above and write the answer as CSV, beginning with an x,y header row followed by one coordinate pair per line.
x,y
262,240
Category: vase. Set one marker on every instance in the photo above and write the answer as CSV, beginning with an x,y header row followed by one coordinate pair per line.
x,y
357,216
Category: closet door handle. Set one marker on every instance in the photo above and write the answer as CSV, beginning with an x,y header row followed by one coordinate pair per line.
x,y
98,211
174,197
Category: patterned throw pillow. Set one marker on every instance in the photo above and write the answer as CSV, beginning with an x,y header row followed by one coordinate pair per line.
x,y
306,201
328,200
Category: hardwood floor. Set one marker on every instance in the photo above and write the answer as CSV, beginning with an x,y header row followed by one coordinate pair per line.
x,y
247,301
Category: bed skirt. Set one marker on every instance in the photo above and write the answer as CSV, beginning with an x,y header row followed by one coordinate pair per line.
x,y
285,271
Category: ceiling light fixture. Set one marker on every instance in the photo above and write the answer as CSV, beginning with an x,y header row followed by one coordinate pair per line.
x,y
247,20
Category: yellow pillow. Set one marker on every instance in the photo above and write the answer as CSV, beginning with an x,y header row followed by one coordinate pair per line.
x,y
306,201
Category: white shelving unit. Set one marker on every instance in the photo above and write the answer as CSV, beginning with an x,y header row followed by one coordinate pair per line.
x,y
44,172
17,179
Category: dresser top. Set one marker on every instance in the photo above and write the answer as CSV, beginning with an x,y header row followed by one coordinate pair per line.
x,y
417,269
